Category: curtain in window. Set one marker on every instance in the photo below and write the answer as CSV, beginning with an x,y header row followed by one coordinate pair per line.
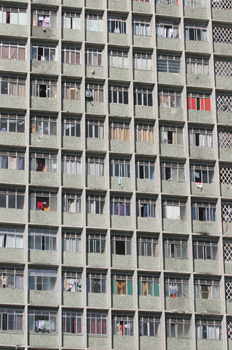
x,y
10,241
19,242
192,139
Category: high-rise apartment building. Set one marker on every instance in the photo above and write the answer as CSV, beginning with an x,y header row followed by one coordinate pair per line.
x,y
116,174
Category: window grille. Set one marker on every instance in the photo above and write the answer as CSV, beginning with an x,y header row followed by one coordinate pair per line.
x,y
228,290
203,211
167,30
118,59
94,23
11,237
71,55
44,18
119,131
116,25
202,173
226,174
177,287
71,242
222,34
194,3
93,57
175,248
95,129
149,326
197,66
44,88
141,26
71,202
96,92
123,325
42,239
71,90
71,281
43,52
118,94
13,15
222,4
144,132
208,329
96,283
12,122
225,138
12,50
120,206
223,67
169,99
195,32
168,63
178,327
96,243
12,86
227,213
119,167
11,278
173,171
71,127
227,251
147,246
145,169
95,166
95,204
205,250
143,96
71,20
142,61
71,322
121,245
146,207
229,329
11,160
71,164
43,125
96,323
174,210
224,102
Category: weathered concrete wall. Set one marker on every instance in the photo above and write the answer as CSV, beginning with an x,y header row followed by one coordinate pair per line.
x,y
222,49
221,15
95,220
205,226
176,264
179,344
196,46
94,182
97,341
71,106
118,73
94,37
117,221
195,12
212,306
44,67
171,10
198,80
148,263
145,148
42,257
145,76
12,338
119,5
168,44
97,300
43,340
13,176
174,225
72,299
71,142
71,219
7,101
171,114
200,116
118,39
11,255
166,150
72,340
142,41
40,178
72,34
208,344
170,78
224,118
120,146
96,4
149,302
150,343
12,138
124,302
173,187
141,7
119,109
125,342
46,141
97,260
126,183
42,297
201,152
44,104
180,304
50,33
72,259
208,190
46,217
71,180
223,83
206,266
71,70
11,29
120,261
145,185
225,154
11,296
13,65
13,216
95,107
144,112
147,224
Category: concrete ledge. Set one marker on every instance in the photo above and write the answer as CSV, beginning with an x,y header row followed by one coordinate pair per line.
x,y
42,257
148,263
122,301
206,266
42,297
120,261
72,299
176,264
72,340
73,259
149,302
97,300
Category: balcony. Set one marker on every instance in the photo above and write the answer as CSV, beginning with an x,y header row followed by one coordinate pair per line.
x,y
120,301
12,337
145,148
208,227
71,35
141,7
46,141
94,37
171,114
118,39
73,143
168,44
168,149
99,72
171,225
228,267
150,343
72,299
44,67
179,304
96,220
227,228
126,184
221,15
223,82
95,144
44,340
72,259
202,344
12,176
180,344
146,112
117,221
95,182
149,303
222,49
198,81
200,116
72,70
122,261
123,342
145,185
119,5
11,296
97,341
13,65
170,78
148,263
119,109
224,118
7,101
196,46
71,180
11,255
13,30
72,3
48,2
118,146
42,257
96,4
206,266
201,152
97,300
147,224
71,106
97,260
165,9
173,187
176,264
95,107
142,41
40,178
42,297
195,12
44,104
211,306
144,76
46,217
12,138
13,216
48,34
72,219
72,340
208,190
119,73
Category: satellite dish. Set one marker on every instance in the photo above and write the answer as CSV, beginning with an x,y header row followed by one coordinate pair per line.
x,y
88,94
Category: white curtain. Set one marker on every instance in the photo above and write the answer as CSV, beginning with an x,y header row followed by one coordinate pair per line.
x,y
10,241
78,168
173,212
1,240
23,18
192,139
19,242
14,18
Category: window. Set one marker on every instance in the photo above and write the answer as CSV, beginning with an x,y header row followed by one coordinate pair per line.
x,y
96,91
119,167
143,97
12,160
119,131
118,59
44,162
71,242
223,67
172,172
116,25
198,101
12,122
225,138
168,63
43,321
71,127
200,137
71,55
141,0
44,88
145,169
95,204
208,329
11,278
195,3
123,325
176,248
11,237
96,283
71,322
94,23
177,287
197,66
42,239
43,200
147,246
167,2
174,210
95,129
14,86
144,132
72,281
195,32
43,52
71,20
148,286
168,30
121,245
122,284
120,206
96,323
42,279
12,50
95,166
11,319
202,211
202,173
207,289
43,125
141,27
149,326
71,90
222,34
13,15
71,164
71,203
93,57
118,94
11,198
178,327
224,102
170,99
146,208
44,18
171,135
96,243
205,250
142,61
